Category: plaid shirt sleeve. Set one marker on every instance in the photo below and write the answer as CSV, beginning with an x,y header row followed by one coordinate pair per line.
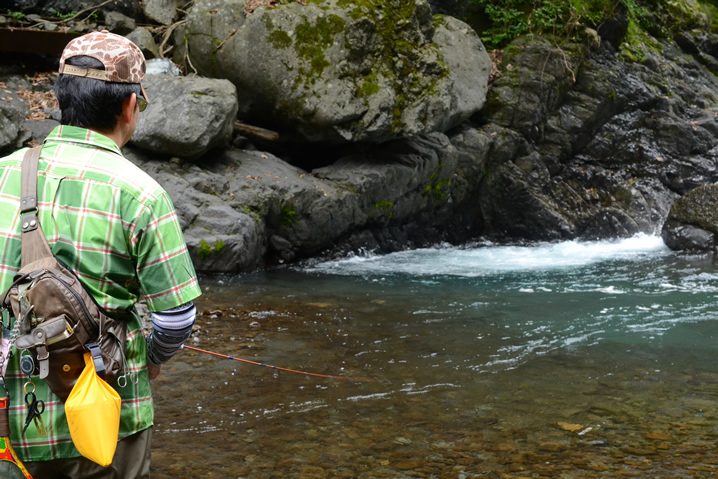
x,y
164,267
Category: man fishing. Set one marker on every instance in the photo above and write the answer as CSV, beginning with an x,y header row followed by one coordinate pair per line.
x,y
117,230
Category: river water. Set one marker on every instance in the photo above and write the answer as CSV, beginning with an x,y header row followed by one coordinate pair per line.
x,y
568,360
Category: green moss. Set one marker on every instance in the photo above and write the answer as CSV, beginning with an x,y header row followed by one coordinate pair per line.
x,y
385,208
638,43
680,15
439,20
280,39
436,189
397,65
254,213
288,216
369,86
205,250
218,246
312,40
295,107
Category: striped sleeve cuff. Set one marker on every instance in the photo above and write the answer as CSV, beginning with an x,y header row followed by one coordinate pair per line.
x,y
170,329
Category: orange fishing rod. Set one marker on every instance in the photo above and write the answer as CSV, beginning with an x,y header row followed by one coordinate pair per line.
x,y
255,363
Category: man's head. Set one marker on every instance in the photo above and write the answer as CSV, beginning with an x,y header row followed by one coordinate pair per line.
x,y
99,72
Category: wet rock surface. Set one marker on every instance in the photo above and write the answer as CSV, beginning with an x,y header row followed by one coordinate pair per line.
x,y
590,140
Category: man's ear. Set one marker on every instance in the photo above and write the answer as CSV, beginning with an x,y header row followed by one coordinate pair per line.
x,y
128,108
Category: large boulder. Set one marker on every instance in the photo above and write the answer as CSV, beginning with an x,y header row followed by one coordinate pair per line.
x,y
187,116
161,11
246,209
692,223
11,123
337,71
220,238
13,109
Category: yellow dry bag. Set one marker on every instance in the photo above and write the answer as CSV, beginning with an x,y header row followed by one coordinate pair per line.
x,y
93,414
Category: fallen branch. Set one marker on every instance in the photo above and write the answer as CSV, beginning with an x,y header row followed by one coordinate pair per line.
x,y
166,36
94,7
255,131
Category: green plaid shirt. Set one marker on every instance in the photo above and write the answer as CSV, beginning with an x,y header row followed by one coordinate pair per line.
x,y
117,229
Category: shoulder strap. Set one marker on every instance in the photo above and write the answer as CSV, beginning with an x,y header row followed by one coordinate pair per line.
x,y
34,244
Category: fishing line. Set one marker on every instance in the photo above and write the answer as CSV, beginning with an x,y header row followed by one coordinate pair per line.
x,y
255,363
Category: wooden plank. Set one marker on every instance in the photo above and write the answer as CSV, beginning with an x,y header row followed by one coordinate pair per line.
x,y
34,41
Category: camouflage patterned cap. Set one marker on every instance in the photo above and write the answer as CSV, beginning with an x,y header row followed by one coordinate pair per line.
x,y
123,60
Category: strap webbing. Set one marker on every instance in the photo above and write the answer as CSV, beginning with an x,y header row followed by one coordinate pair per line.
x,y
34,244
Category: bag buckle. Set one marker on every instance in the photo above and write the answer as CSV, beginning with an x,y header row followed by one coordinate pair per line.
x,y
96,354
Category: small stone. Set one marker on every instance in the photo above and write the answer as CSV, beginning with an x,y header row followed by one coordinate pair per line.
x,y
569,427
638,451
409,465
550,447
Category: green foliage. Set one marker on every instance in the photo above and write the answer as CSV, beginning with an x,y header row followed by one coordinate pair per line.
x,y
205,250
567,20
15,15
57,14
507,21
560,18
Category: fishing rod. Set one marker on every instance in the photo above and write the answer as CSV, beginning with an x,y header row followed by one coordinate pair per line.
x,y
255,363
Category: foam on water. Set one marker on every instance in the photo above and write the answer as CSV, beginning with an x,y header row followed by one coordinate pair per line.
x,y
486,259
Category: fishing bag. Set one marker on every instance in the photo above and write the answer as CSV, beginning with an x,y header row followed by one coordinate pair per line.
x,y
56,319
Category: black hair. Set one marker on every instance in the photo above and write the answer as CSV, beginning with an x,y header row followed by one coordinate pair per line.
x,y
90,103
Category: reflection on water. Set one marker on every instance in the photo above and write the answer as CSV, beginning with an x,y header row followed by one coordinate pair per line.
x,y
484,364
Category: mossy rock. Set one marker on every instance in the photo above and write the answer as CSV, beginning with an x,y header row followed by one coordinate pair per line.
x,y
336,71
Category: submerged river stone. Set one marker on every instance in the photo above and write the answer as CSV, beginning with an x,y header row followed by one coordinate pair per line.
x,y
336,71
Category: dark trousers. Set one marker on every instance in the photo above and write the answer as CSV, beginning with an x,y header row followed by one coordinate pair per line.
x,y
131,461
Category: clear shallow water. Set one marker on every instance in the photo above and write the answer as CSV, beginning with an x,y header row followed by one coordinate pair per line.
x,y
554,360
